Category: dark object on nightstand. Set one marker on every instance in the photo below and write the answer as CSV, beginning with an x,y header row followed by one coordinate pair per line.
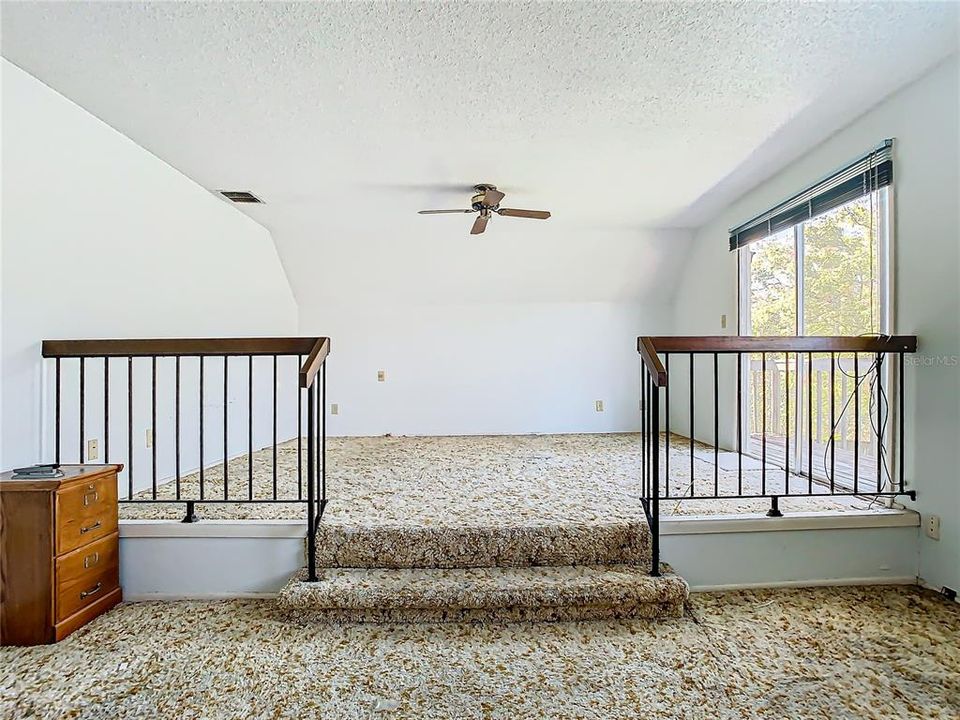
x,y
50,470
59,552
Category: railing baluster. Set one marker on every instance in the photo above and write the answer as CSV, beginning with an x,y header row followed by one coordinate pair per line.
x,y
809,420
82,410
299,434
763,426
153,421
666,455
201,429
786,440
879,397
130,427
322,411
226,436
693,481
176,422
833,421
856,421
651,430
648,438
739,423
57,414
643,431
250,427
106,409
716,425
655,505
311,488
901,420
274,427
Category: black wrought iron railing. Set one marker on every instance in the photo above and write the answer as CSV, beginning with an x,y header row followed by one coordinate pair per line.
x,y
98,389
786,417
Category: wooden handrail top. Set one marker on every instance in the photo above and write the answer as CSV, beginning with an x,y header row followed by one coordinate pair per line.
x,y
315,349
650,358
649,346
314,361
777,344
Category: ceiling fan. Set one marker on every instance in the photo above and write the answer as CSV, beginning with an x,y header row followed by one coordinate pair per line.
x,y
486,201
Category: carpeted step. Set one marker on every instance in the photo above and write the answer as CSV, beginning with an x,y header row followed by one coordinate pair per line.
x,y
487,594
419,546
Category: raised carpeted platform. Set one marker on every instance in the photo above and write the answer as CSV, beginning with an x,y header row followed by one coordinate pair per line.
x,y
500,530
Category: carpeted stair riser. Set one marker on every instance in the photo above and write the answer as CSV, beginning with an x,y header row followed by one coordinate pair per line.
x,y
570,613
488,546
539,594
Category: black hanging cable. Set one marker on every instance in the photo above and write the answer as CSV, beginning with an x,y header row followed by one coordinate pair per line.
x,y
878,394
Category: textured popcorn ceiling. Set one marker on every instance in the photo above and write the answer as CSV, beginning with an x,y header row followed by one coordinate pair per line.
x,y
345,117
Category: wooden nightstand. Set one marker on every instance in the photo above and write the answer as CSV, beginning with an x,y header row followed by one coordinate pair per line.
x,y
59,553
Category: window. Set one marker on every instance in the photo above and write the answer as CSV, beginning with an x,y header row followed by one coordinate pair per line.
x,y
824,276
816,265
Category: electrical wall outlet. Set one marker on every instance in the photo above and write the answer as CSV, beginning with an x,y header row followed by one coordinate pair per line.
x,y
381,376
723,322
599,405
149,437
931,527
93,449
334,408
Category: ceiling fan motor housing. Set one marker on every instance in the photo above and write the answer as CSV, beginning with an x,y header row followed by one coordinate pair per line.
x,y
479,201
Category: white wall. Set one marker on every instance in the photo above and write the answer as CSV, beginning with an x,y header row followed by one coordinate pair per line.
x,y
925,120
102,239
484,368
215,559
162,560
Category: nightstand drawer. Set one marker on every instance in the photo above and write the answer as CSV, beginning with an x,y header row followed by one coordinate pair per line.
x,y
91,558
74,532
86,589
88,499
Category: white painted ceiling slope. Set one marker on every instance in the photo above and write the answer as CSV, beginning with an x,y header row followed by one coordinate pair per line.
x,y
347,118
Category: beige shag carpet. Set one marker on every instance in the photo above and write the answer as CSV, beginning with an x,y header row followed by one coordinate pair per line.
x,y
827,653
510,480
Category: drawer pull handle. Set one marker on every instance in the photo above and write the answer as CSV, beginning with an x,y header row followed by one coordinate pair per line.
x,y
91,560
87,593
90,497
84,530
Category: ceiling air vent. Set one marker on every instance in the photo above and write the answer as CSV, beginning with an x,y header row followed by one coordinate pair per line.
x,y
240,196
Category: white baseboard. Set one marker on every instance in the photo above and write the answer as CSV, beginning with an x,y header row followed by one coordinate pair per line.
x,y
174,597
784,584
819,520
213,529
936,588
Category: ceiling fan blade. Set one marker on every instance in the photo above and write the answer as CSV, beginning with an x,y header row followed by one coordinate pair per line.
x,y
480,224
535,214
440,212
493,197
